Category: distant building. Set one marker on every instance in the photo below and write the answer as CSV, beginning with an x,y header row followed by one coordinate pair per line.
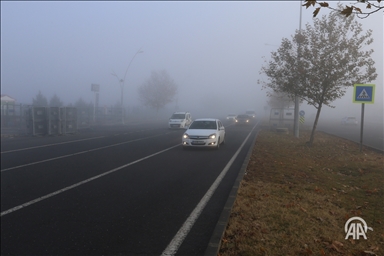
x,y
5,99
7,105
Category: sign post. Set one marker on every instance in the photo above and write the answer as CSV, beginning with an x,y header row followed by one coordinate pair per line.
x,y
363,93
302,118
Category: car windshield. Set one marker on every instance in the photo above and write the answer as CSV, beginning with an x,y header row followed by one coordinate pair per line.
x,y
178,116
242,116
250,112
203,125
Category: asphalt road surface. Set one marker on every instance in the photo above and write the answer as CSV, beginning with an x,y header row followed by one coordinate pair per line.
x,y
373,132
119,190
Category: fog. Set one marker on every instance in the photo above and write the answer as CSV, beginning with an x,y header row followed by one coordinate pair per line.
x,y
212,50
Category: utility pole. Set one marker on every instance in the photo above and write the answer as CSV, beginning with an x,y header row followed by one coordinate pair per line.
x,y
296,113
95,88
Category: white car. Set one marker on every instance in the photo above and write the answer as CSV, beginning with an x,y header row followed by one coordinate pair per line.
x,y
231,117
180,120
349,120
204,132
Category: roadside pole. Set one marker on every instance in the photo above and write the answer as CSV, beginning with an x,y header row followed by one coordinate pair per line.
x,y
361,126
297,100
95,88
363,93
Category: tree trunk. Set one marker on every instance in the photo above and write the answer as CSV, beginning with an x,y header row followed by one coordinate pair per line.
x,y
310,142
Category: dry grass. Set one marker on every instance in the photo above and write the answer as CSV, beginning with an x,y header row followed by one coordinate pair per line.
x,y
295,200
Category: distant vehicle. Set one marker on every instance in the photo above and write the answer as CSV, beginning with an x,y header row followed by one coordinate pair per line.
x,y
180,120
349,120
243,119
204,132
251,113
231,117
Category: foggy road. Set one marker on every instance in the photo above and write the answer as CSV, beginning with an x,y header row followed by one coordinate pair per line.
x,y
122,190
373,132
119,70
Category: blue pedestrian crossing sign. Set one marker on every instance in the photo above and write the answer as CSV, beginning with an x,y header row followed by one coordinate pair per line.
x,y
364,93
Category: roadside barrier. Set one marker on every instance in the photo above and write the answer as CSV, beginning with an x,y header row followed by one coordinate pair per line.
x,y
51,120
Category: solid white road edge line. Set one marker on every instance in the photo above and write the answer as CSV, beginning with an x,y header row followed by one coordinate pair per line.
x,y
81,183
174,245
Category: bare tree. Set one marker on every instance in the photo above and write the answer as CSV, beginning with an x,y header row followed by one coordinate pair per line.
x,y
319,63
158,90
370,7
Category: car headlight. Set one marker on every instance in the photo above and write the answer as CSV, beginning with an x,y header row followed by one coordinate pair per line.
x,y
212,136
185,136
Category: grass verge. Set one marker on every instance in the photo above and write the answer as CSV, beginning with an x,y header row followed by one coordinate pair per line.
x,y
295,199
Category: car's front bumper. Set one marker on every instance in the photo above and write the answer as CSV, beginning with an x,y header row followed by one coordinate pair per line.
x,y
199,142
242,122
176,125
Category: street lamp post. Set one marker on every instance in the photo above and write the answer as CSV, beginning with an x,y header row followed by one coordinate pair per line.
x,y
297,99
122,81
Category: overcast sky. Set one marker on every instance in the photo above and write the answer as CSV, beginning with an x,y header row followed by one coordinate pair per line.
x,y
212,50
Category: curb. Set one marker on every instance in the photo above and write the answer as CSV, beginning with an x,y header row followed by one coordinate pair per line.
x,y
215,241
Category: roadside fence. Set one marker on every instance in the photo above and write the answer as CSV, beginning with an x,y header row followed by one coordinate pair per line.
x,y
43,120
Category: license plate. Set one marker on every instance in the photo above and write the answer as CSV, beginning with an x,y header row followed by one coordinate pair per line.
x,y
198,142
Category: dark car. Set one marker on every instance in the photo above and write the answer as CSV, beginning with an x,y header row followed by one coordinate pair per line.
x,y
243,119
251,113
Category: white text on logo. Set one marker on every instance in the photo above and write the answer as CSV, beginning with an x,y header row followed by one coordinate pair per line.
x,y
356,229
